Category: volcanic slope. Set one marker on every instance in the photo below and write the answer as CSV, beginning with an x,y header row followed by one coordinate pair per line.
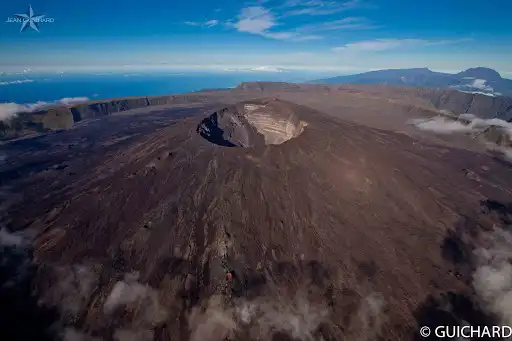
x,y
331,230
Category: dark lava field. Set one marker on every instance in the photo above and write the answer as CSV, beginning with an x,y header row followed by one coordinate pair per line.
x,y
254,214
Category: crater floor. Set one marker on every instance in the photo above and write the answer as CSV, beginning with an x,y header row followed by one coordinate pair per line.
x,y
251,124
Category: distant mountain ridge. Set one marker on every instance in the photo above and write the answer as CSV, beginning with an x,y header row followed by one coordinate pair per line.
x,y
475,80
64,116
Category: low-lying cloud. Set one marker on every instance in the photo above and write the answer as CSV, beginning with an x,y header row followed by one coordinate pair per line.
x,y
135,306
370,316
492,278
71,288
260,318
8,110
130,291
147,315
476,86
470,124
481,84
441,124
298,317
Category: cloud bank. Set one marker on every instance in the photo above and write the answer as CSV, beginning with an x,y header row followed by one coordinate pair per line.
x,y
444,125
492,279
473,125
297,316
262,317
8,110
128,294
71,288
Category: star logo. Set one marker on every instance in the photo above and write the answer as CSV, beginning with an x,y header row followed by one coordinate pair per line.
x,y
30,19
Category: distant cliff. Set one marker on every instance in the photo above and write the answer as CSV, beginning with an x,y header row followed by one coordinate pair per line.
x,y
448,99
442,99
64,116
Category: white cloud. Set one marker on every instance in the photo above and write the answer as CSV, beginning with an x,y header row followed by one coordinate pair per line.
x,y
131,292
298,317
476,86
70,100
493,275
348,23
7,110
378,45
21,81
482,93
72,287
444,125
256,20
256,69
319,7
391,44
260,21
267,69
480,84
208,23
293,36
211,23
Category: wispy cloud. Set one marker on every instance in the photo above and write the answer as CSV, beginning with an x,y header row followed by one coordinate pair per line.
x,y
20,81
319,7
349,23
209,23
293,36
260,20
256,69
263,21
392,44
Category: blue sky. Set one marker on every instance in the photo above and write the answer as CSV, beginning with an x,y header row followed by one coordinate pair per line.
x,y
343,36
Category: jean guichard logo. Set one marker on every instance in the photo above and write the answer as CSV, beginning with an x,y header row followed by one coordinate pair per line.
x,y
29,20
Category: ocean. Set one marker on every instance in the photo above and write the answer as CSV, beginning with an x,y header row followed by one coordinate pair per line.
x,y
27,87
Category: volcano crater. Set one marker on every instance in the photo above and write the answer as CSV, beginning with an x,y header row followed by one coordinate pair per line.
x,y
249,125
